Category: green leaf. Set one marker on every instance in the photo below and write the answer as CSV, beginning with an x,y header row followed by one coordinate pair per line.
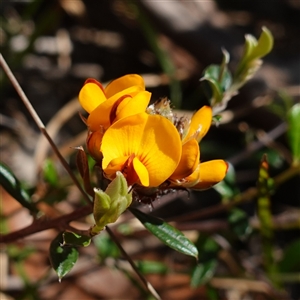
x,y
105,246
203,272
151,267
291,258
239,223
50,173
62,258
208,260
294,131
75,240
13,186
264,45
169,235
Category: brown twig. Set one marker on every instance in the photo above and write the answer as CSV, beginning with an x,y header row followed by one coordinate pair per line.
x,y
147,284
40,125
45,223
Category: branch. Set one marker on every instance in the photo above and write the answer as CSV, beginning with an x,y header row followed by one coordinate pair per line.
x,y
45,223
40,125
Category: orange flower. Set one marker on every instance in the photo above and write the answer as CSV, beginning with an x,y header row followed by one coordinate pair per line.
x,y
145,148
190,173
122,97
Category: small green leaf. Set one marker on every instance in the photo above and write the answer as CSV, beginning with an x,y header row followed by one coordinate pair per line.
x,y
294,131
50,173
291,258
13,186
62,258
239,223
75,240
264,44
203,272
105,246
151,267
208,260
169,235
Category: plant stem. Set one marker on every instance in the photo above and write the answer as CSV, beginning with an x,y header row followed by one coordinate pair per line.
x,y
40,125
148,285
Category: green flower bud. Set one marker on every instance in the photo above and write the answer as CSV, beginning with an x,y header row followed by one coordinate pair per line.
x,y
109,205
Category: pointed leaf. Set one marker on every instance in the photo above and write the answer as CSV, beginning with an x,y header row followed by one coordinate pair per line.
x,y
208,260
264,45
75,239
13,186
294,131
169,235
203,272
62,258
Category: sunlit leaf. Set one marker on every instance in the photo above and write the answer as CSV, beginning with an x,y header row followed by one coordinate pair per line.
x,y
264,45
75,239
62,258
294,131
169,235
13,186
50,173
291,258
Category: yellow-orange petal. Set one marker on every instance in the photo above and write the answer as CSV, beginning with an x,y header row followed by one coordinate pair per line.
x,y
132,106
93,142
210,173
91,95
200,123
115,165
189,160
123,83
153,139
101,115
141,172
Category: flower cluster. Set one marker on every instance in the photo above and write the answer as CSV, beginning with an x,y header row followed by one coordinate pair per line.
x,y
149,145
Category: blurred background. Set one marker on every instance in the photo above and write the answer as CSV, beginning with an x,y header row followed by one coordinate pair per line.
x,y
52,47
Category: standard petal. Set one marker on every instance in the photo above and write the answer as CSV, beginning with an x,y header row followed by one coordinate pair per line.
x,y
91,95
101,116
200,123
189,160
154,140
132,106
160,149
123,83
210,173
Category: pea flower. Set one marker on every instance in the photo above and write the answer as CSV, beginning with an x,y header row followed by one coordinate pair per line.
x,y
120,98
145,148
190,173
